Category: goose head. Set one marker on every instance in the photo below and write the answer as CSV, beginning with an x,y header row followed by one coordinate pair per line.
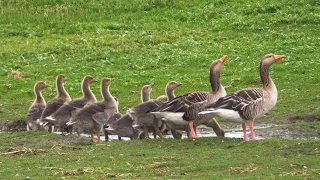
x,y
107,81
147,88
61,78
218,64
41,85
89,80
173,84
271,58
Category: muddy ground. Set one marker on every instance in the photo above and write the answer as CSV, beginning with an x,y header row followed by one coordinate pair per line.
x,y
291,127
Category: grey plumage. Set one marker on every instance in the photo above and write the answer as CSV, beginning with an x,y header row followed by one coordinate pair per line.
x,y
192,102
93,116
57,102
250,103
64,113
122,125
36,108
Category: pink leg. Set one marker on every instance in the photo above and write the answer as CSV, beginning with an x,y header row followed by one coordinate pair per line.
x,y
192,131
253,136
244,128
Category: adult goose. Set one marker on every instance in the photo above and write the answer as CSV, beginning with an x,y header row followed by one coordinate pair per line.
x,y
57,102
246,105
64,113
172,112
122,125
93,116
37,107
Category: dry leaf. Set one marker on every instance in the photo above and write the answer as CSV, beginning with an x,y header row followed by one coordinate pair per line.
x,y
111,158
8,85
17,74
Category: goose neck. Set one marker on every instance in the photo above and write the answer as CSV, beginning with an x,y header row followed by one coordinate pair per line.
x,y
87,93
265,76
215,81
106,93
170,93
38,95
145,96
61,90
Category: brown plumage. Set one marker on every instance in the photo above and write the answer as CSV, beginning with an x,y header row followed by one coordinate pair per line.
x,y
57,102
249,104
93,116
36,108
64,113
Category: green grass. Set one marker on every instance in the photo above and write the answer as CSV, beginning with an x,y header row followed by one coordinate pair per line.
x,y
141,42
204,158
155,41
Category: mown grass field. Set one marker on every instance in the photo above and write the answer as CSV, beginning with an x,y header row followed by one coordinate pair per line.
x,y
154,41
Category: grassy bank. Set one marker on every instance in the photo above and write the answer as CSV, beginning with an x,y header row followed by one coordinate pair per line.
x,y
141,42
40,155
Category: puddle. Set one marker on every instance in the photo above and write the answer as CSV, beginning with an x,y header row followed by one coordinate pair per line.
x,y
202,132
232,130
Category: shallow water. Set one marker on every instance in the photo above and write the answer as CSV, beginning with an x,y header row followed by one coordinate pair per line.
x,y
201,130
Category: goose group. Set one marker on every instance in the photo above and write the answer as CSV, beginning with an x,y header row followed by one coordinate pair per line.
x,y
167,113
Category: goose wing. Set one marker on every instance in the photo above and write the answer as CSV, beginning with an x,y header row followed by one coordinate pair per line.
x,y
52,106
146,107
181,103
33,110
79,103
239,100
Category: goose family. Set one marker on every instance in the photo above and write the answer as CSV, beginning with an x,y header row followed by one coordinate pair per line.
x,y
247,105
37,107
93,116
57,102
176,113
64,113
172,112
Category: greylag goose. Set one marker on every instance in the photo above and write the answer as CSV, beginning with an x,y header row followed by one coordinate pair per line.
x,y
64,113
170,87
37,107
122,125
93,116
57,102
248,104
172,112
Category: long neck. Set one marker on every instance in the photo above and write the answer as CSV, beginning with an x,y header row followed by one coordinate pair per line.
x,y
145,96
38,95
265,76
106,93
107,97
215,80
170,93
86,91
61,90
